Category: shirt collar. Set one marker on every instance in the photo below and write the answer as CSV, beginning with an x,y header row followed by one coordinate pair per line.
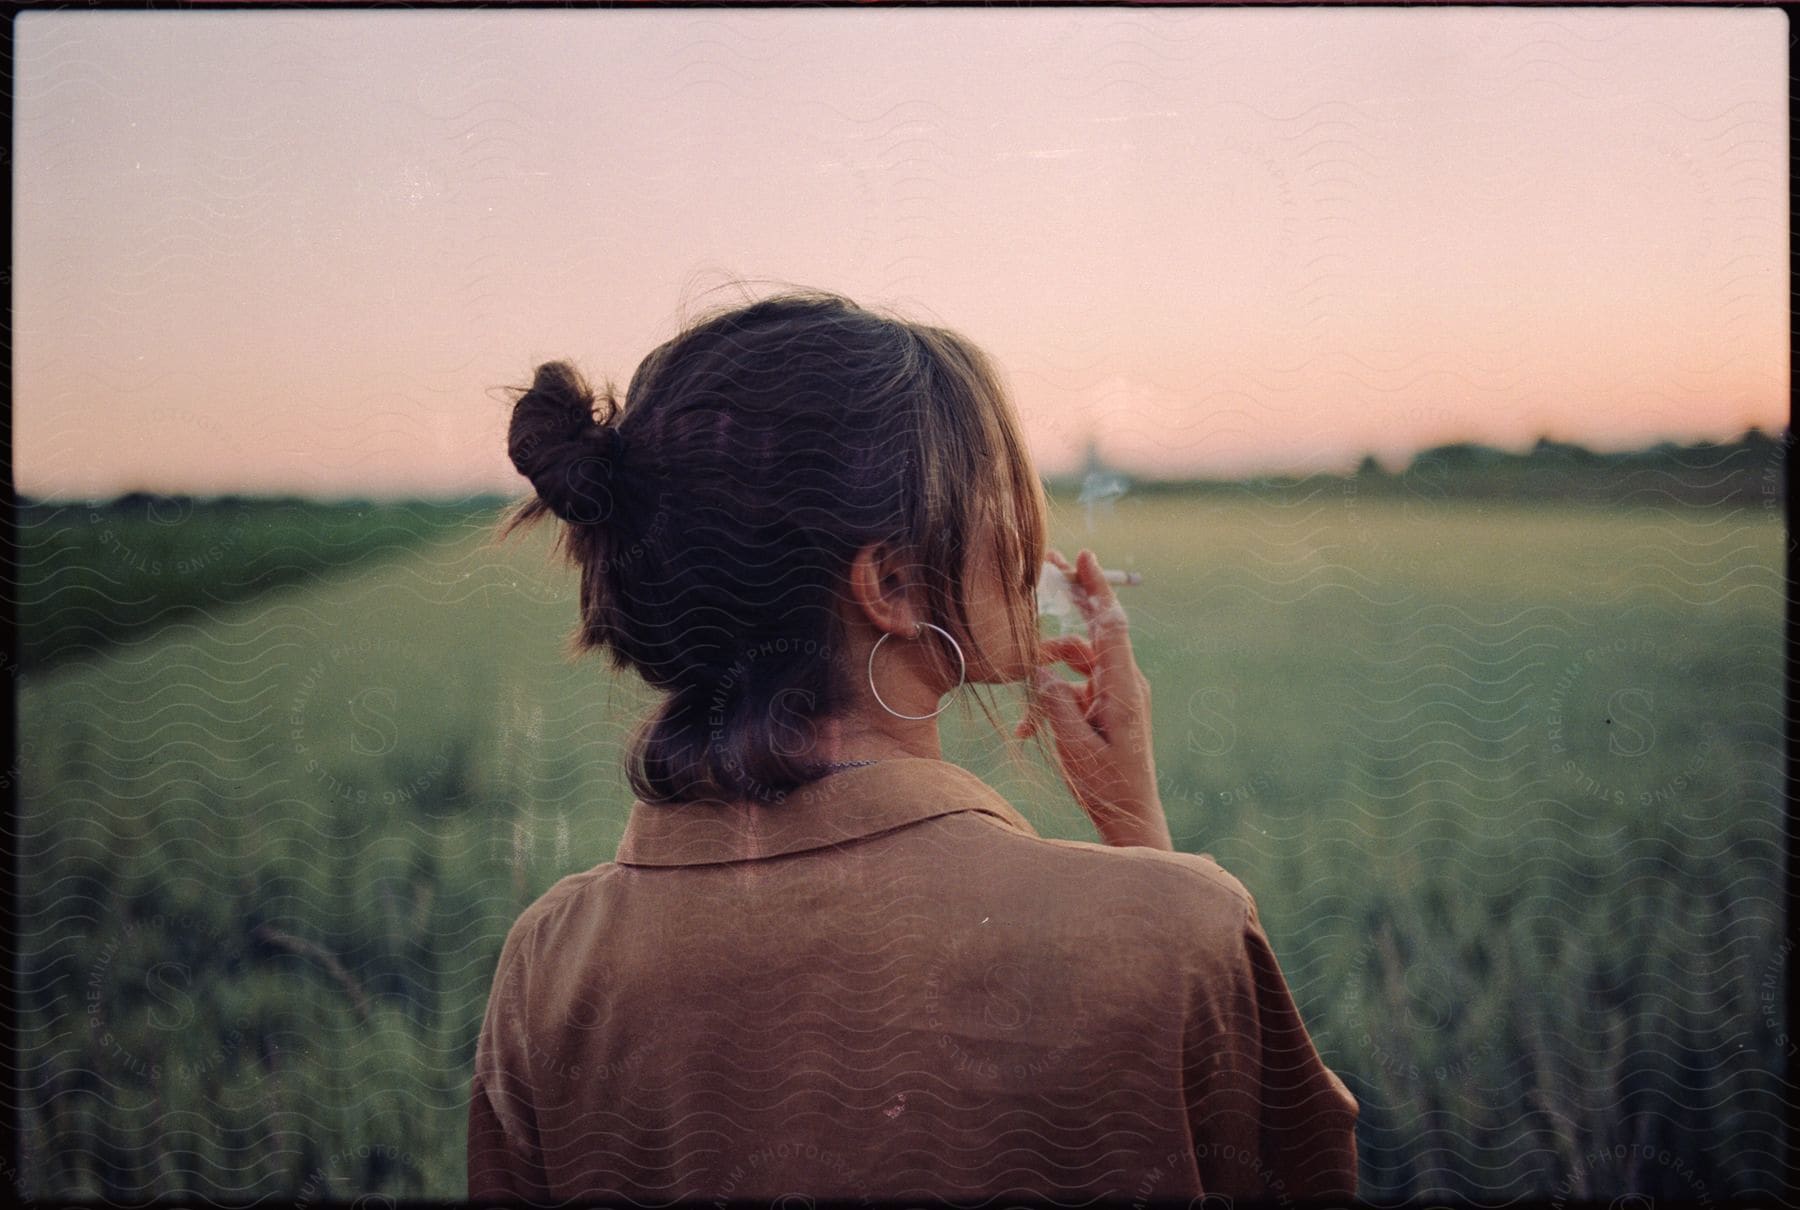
x,y
839,807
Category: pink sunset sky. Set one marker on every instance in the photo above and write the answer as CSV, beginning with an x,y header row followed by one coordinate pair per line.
x,y
300,250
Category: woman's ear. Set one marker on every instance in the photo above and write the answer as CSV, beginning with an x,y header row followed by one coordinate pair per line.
x,y
880,589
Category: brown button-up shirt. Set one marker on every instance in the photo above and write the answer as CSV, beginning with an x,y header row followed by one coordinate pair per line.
x,y
889,985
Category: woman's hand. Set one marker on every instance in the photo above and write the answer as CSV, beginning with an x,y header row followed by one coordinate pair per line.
x,y
1102,725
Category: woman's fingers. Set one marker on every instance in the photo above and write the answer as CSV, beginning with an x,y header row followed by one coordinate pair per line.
x,y
1099,605
1102,723
1107,625
1075,736
1072,649
1079,655
1108,697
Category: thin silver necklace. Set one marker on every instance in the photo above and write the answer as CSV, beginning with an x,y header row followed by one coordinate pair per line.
x,y
848,764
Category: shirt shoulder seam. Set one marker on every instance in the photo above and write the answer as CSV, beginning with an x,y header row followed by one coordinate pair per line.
x,y
1224,879
540,910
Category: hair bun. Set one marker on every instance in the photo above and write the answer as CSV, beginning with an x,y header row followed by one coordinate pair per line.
x,y
556,442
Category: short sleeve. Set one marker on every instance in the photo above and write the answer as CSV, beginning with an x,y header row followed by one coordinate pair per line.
x,y
1269,1119
505,1159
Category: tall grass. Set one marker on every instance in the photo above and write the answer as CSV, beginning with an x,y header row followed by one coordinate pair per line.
x,y
94,574
269,859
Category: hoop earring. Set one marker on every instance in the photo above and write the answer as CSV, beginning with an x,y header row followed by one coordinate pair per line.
x,y
961,675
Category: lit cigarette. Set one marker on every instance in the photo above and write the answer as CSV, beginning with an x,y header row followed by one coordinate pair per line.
x,y
1055,590
1111,577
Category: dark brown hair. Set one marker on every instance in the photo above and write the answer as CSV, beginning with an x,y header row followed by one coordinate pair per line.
x,y
714,511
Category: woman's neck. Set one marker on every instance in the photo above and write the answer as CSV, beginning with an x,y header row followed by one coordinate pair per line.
x,y
854,739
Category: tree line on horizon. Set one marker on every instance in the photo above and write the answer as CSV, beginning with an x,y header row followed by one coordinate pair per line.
x,y
1749,469
1746,469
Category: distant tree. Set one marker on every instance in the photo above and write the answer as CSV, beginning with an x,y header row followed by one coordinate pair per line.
x,y
1369,467
1757,441
1548,450
1457,455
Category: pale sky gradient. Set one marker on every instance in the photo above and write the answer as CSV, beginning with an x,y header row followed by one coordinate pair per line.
x,y
297,250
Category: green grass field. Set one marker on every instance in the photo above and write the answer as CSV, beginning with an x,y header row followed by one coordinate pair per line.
x,y
92,574
1505,782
